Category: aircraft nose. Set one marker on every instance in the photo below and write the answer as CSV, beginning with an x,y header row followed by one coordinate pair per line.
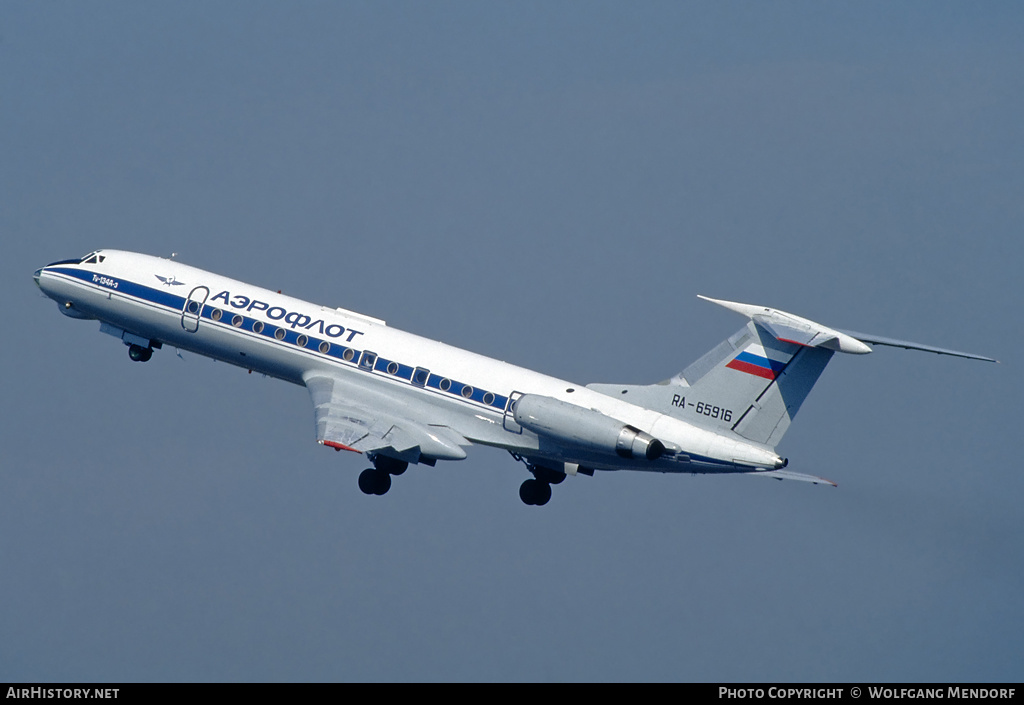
x,y
39,272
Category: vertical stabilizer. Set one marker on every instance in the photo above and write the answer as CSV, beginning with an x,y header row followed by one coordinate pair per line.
x,y
758,381
753,383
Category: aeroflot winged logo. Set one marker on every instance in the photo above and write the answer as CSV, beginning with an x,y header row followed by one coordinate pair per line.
x,y
169,281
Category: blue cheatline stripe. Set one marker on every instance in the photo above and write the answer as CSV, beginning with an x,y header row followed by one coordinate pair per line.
x,y
139,291
753,359
402,371
177,304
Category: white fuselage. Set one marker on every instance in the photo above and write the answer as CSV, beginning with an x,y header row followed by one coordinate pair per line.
x,y
142,298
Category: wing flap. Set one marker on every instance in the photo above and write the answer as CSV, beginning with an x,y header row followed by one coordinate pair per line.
x,y
343,418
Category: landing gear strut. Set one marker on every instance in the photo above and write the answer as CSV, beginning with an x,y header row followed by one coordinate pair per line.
x,y
140,354
377,480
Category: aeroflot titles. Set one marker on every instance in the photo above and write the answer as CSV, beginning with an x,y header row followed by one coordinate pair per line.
x,y
294,319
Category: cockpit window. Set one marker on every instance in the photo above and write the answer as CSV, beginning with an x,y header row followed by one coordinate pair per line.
x,y
92,258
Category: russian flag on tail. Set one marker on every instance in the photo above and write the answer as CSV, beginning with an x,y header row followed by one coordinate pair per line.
x,y
759,361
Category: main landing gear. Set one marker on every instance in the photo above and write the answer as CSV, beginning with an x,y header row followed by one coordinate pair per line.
x,y
140,354
537,491
377,480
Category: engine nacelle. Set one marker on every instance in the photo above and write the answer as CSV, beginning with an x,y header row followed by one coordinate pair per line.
x,y
584,427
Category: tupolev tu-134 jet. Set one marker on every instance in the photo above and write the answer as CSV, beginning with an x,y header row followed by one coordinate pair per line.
x,y
400,398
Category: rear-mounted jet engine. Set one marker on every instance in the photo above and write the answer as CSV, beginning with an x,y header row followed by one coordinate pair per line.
x,y
584,427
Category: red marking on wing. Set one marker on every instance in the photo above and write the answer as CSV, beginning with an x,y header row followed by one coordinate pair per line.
x,y
339,446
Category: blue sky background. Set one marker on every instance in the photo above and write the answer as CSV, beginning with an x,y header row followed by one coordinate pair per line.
x,y
550,183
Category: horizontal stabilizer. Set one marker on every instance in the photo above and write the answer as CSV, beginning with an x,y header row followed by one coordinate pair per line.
x,y
787,475
893,342
788,328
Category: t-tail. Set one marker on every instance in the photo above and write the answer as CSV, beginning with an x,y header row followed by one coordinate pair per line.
x,y
753,383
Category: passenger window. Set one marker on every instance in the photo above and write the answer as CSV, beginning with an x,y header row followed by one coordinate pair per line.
x,y
368,361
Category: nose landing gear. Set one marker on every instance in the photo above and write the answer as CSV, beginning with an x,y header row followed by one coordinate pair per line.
x,y
140,354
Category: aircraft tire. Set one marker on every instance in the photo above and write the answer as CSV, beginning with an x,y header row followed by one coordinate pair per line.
x,y
543,495
366,481
390,465
547,475
526,492
383,483
374,481
139,354
535,492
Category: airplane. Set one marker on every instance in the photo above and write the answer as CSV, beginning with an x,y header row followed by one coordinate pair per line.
x,y
400,398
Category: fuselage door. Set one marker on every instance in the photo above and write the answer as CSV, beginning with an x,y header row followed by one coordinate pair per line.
x,y
510,421
193,308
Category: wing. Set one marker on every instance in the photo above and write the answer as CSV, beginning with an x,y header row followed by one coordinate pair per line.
x,y
359,419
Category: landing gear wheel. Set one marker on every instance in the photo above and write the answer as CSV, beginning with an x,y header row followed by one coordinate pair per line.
x,y
551,477
374,481
390,465
535,492
140,354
